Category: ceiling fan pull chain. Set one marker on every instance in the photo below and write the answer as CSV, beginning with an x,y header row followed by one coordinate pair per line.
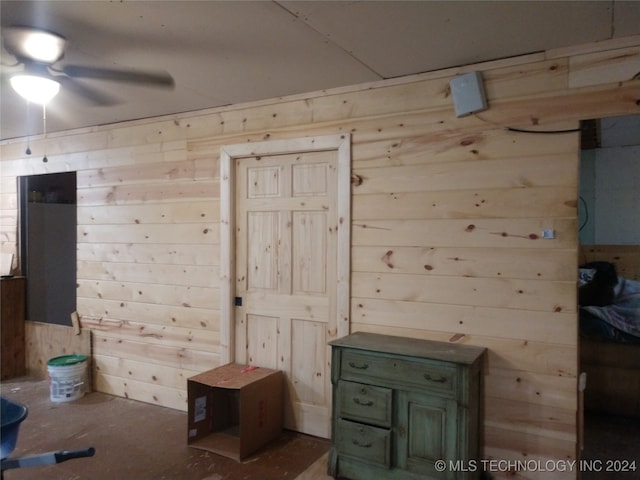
x,y
44,127
28,150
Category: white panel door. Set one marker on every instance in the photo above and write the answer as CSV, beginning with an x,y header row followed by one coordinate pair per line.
x,y
287,249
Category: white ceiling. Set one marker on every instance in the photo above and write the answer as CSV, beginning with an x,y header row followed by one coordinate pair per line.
x,y
229,52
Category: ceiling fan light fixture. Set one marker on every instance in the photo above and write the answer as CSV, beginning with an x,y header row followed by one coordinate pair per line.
x,y
34,44
35,89
43,46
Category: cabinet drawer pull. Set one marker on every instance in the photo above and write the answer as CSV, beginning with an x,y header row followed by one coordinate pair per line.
x,y
364,366
366,403
363,445
433,379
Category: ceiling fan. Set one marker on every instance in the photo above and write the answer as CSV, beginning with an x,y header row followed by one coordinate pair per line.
x,y
37,51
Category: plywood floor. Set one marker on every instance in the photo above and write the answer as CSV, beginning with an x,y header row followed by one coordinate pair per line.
x,y
137,441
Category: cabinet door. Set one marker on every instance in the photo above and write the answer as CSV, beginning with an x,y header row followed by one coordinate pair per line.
x,y
426,431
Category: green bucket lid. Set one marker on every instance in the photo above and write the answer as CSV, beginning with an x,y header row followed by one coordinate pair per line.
x,y
66,360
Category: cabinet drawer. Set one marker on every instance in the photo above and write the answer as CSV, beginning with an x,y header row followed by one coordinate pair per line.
x,y
371,444
365,403
436,378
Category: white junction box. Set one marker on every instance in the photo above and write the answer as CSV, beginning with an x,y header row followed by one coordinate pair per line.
x,y
468,93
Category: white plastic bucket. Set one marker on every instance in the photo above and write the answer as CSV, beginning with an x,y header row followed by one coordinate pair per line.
x,y
67,377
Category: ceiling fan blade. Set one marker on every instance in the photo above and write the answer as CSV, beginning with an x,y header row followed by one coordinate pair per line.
x,y
159,79
91,94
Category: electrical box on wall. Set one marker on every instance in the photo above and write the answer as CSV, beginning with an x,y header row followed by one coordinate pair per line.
x,y
468,93
549,233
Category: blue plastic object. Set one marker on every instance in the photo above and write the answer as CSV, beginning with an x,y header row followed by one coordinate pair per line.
x,y
11,414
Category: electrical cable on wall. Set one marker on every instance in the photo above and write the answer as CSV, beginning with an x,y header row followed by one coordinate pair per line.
x,y
523,130
549,132
586,214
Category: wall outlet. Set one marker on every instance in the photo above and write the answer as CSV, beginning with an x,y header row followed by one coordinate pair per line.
x,y
548,233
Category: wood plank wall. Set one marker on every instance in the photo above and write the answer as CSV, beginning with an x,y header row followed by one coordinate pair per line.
x,y
446,228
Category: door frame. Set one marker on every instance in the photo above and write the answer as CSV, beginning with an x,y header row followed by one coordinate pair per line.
x,y
228,154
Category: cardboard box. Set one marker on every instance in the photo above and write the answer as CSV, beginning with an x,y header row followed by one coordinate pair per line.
x,y
235,409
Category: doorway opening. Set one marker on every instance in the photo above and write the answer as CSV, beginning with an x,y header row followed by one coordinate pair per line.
x,y
609,233
47,245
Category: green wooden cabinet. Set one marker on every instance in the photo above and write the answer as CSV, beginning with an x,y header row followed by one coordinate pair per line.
x,y
402,404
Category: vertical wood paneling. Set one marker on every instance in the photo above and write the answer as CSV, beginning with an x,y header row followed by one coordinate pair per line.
x,y
445,230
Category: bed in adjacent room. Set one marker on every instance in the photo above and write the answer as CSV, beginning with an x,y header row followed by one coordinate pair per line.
x,y
609,298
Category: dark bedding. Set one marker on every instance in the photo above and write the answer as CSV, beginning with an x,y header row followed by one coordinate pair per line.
x,y
609,304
